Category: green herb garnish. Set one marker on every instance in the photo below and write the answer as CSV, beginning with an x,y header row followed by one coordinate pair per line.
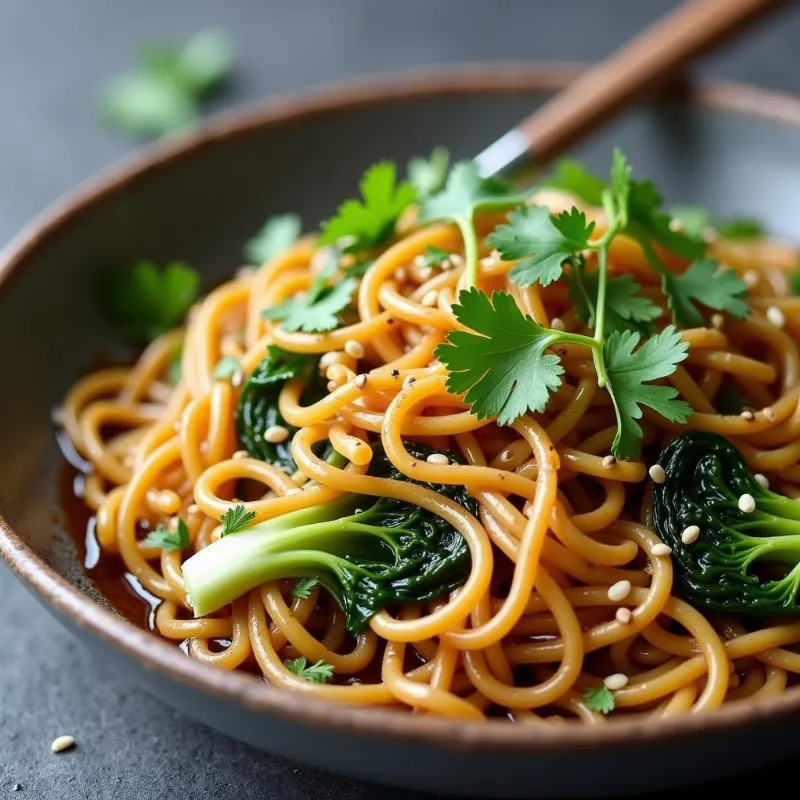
x,y
277,234
236,519
304,587
599,699
428,175
166,539
225,368
316,673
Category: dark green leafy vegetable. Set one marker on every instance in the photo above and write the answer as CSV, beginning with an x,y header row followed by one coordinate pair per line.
x,y
166,539
710,485
258,410
277,235
369,553
730,401
163,94
145,301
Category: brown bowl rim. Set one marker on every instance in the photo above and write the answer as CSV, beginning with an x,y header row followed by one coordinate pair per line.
x,y
248,691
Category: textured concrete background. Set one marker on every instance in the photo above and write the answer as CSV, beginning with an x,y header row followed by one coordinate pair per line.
x,y
54,57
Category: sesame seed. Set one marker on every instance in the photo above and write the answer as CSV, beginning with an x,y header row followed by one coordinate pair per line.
x,y
241,454
623,615
557,324
61,743
609,461
657,473
528,510
408,381
457,260
332,386
616,681
438,458
17,787
747,503
762,480
619,591
426,273
506,456
276,434
717,321
430,298
237,379
748,415
395,373
661,549
750,278
193,508
354,349
361,380
769,414
690,534
400,275
775,317
419,261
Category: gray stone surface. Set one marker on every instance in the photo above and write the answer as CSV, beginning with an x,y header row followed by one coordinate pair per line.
x,y
54,57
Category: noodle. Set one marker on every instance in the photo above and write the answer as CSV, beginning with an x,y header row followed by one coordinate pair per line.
x,y
532,627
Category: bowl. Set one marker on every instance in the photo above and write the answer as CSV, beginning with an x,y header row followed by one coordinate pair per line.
x,y
198,198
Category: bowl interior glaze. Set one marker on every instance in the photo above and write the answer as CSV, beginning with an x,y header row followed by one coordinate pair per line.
x,y
198,200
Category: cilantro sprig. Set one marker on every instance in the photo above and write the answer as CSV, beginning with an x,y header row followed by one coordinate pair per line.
x,y
320,672
599,699
428,175
236,519
144,301
274,237
163,93
502,365
171,540
465,193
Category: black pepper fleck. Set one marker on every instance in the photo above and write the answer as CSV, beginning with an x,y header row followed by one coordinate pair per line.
x,y
394,373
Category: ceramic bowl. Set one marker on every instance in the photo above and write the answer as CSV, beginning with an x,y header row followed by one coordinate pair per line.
x,y
732,148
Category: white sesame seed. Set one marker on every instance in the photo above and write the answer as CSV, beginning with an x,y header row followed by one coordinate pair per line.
x,y
438,458
354,349
750,278
748,415
426,273
408,381
623,615
769,414
241,454
237,379
619,591
400,275
361,380
775,317
332,386
528,510
419,261
193,508
429,299
717,321
609,461
557,324
657,473
616,681
747,503
690,534
506,456
762,480
661,549
276,434
61,743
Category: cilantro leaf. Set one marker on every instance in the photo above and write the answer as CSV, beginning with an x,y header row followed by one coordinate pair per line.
x,y
625,308
628,369
542,241
572,177
369,223
599,699
435,257
225,368
703,282
304,587
236,519
277,234
740,228
428,175
694,220
165,539
730,401
144,301
162,94
502,368
316,673
314,315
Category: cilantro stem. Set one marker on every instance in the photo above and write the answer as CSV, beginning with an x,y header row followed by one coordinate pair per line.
x,y
470,249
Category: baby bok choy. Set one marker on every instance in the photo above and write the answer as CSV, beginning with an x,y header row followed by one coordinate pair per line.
x,y
370,553
746,559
